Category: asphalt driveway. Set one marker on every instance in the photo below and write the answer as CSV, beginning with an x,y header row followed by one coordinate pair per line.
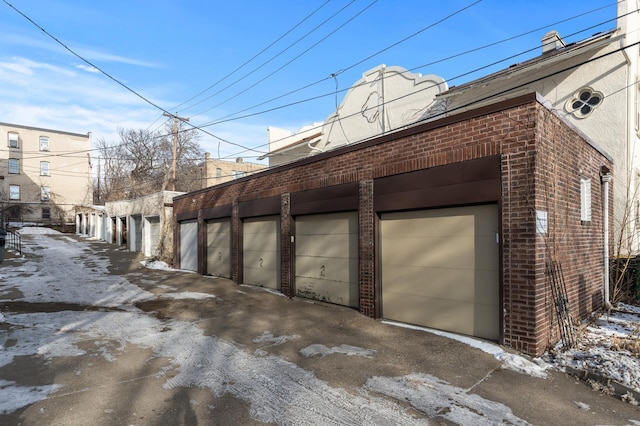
x,y
91,336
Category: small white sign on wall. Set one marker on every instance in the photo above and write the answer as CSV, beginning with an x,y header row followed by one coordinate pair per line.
x,y
541,222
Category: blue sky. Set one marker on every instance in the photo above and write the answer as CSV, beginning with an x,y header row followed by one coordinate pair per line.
x,y
172,51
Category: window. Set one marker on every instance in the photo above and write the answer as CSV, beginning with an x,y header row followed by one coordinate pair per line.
x,y
44,143
218,172
44,168
46,213
14,192
584,101
14,166
13,140
585,199
45,193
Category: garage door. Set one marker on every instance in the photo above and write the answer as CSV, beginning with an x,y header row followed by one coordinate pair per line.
x,y
440,269
326,257
261,252
152,235
219,248
189,245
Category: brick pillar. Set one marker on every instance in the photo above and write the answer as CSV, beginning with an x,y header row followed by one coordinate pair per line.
x,y
286,246
366,249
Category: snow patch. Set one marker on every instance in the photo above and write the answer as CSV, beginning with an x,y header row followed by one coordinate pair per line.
x,y
582,406
438,398
37,230
187,295
267,337
348,350
510,361
156,264
15,397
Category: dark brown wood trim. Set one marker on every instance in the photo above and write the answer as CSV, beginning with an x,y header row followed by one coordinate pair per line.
x,y
262,207
468,182
330,199
217,212
181,217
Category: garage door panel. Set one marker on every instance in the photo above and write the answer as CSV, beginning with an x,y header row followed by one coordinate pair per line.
x,y
440,269
443,252
267,260
334,269
337,292
189,245
218,262
327,245
219,248
465,318
259,242
261,252
262,226
452,222
326,257
326,224
445,283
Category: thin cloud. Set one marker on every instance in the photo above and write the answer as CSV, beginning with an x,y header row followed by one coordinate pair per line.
x,y
26,66
87,68
90,54
94,55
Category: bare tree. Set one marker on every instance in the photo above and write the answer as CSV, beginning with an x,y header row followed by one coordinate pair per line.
x,y
140,163
190,157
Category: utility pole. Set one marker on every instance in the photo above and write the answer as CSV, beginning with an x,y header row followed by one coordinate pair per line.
x,y
175,146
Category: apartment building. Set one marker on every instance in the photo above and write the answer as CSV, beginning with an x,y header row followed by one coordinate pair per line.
x,y
44,173
220,171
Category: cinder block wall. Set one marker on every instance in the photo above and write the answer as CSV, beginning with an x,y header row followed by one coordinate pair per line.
x,y
542,160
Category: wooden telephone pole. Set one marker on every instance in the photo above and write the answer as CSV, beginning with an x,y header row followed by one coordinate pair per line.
x,y
175,146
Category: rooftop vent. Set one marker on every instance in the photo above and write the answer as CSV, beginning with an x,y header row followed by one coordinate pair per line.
x,y
552,41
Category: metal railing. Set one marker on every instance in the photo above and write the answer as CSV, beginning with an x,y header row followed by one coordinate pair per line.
x,y
13,241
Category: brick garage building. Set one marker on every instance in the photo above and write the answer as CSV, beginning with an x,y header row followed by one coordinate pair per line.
x,y
447,224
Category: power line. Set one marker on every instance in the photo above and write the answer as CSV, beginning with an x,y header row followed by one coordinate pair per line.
x,y
111,77
498,94
411,70
229,116
193,126
286,64
238,68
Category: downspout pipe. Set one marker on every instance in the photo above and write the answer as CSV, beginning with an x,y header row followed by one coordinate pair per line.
x,y
606,179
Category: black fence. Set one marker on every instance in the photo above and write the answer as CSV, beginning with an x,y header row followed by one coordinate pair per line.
x,y
13,241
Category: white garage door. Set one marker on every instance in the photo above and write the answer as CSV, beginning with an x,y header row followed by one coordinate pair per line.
x,y
326,262
189,245
261,251
219,248
152,235
440,269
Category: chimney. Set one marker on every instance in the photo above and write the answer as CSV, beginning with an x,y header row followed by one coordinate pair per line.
x,y
552,41
239,160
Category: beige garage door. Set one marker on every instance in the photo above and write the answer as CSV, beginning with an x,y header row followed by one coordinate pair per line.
x,y
440,269
219,248
261,251
189,245
326,250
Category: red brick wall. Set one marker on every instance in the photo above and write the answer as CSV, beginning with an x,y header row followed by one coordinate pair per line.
x,y
536,148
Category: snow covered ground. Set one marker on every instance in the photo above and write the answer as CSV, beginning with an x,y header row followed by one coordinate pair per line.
x,y
288,393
